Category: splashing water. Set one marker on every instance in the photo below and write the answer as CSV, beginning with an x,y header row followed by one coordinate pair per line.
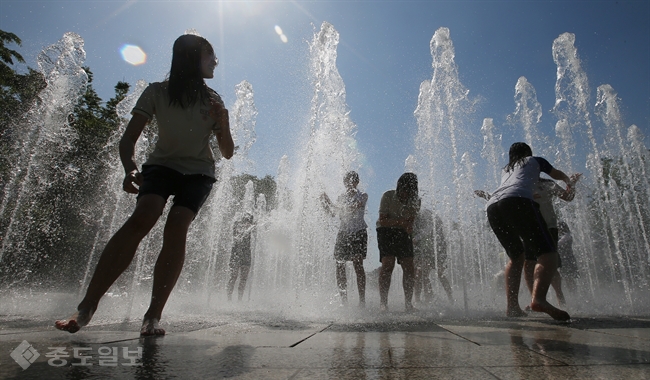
x,y
298,238
528,114
604,226
610,223
212,232
42,137
292,268
445,170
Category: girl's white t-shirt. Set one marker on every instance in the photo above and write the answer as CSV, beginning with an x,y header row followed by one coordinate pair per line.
x,y
184,134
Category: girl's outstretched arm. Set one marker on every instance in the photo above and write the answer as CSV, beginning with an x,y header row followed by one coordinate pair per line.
x,y
560,176
570,192
570,182
127,152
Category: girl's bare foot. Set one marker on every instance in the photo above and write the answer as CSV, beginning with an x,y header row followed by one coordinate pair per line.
x,y
73,324
151,327
554,312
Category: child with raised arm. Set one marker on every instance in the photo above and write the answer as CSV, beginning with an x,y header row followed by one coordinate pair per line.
x,y
352,238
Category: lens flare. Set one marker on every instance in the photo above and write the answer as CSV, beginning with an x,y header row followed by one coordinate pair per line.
x,y
283,38
133,54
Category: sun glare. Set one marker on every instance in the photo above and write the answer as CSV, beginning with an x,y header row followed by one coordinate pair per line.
x,y
133,54
283,38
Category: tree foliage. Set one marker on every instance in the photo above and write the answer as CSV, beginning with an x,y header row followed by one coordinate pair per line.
x,y
266,186
17,94
16,90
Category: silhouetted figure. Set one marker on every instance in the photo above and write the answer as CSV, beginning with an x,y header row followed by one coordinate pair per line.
x,y
516,221
545,191
240,255
430,248
569,269
352,238
188,113
397,212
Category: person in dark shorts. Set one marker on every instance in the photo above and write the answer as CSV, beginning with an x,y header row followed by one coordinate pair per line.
x,y
352,238
397,211
240,255
188,113
518,225
545,191
430,248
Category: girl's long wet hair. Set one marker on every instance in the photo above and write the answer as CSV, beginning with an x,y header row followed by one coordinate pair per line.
x,y
186,85
519,151
408,182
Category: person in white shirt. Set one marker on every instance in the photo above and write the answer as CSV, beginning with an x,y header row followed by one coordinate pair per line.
x,y
188,113
352,238
518,224
545,190
240,254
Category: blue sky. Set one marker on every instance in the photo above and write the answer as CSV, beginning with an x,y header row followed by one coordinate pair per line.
x,y
383,57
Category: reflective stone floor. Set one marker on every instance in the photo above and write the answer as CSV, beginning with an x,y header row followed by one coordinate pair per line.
x,y
378,346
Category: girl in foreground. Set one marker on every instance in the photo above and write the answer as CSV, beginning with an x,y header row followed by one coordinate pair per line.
x,y
187,112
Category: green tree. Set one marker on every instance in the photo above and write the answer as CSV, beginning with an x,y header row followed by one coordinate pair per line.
x,y
17,94
266,186
17,91
94,122
7,74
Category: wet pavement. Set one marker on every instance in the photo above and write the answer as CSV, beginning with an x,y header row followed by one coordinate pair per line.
x,y
393,345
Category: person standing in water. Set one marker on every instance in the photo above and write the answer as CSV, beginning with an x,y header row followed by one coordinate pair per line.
x,y
569,269
430,252
397,211
516,221
352,238
240,255
188,113
543,195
